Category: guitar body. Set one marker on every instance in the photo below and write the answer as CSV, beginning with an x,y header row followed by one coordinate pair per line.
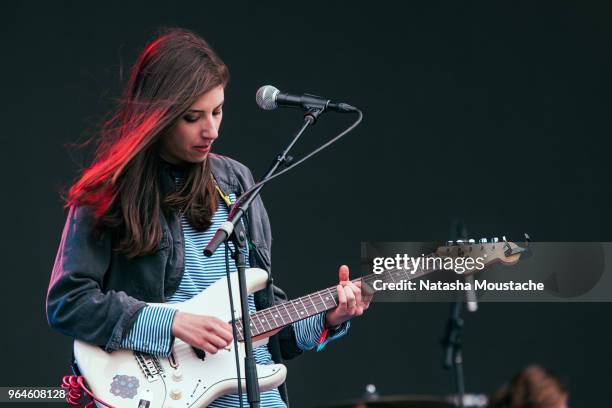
x,y
129,379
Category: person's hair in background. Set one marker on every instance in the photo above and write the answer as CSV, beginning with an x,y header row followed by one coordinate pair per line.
x,y
121,185
534,387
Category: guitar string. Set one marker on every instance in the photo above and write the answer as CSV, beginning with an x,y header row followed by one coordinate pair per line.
x,y
274,312
267,313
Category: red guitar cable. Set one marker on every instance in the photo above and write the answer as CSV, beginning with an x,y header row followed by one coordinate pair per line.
x,y
75,386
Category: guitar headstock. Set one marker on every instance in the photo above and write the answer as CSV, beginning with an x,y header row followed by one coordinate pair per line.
x,y
489,251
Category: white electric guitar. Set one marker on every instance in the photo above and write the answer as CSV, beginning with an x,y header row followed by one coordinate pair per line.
x,y
130,379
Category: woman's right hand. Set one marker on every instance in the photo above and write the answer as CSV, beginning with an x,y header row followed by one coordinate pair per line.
x,y
206,333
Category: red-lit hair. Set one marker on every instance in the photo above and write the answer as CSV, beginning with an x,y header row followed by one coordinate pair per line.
x,y
122,184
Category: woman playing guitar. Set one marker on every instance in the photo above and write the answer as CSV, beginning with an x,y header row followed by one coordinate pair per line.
x,y
140,214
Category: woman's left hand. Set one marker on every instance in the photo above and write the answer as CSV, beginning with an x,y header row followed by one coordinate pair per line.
x,y
351,301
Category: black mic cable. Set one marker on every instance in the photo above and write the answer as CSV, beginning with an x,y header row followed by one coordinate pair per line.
x,y
300,161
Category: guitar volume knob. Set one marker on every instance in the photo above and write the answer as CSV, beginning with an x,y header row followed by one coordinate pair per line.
x,y
177,375
175,394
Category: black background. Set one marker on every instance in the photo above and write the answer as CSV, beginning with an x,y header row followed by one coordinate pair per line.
x,y
493,112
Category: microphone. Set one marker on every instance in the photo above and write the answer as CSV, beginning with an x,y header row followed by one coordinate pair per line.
x,y
268,98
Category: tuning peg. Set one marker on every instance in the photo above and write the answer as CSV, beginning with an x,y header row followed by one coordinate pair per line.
x,y
449,243
527,237
504,238
472,241
495,240
460,242
482,241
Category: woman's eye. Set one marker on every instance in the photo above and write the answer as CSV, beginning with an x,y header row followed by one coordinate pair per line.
x,y
217,113
190,119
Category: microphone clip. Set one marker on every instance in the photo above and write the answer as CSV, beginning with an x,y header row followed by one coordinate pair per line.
x,y
312,113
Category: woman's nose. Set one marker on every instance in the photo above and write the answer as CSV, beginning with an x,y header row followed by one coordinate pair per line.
x,y
209,130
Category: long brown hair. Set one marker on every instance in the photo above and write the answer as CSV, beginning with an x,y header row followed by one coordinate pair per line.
x,y
122,184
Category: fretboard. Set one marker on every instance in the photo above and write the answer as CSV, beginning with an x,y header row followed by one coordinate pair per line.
x,y
284,314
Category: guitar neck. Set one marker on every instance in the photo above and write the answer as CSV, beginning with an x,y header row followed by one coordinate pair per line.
x,y
286,313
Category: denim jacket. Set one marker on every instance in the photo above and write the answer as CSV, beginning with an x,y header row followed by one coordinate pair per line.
x,y
95,293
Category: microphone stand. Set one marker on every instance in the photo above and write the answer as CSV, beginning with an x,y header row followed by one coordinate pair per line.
x,y
451,342
227,232
453,357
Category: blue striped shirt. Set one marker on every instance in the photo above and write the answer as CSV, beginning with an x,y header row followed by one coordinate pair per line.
x,y
152,330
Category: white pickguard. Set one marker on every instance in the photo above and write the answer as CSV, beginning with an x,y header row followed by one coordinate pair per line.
x,y
194,383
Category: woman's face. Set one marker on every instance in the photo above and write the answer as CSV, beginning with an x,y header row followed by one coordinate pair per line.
x,y
192,136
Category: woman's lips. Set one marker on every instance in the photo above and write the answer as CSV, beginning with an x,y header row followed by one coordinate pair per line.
x,y
202,149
